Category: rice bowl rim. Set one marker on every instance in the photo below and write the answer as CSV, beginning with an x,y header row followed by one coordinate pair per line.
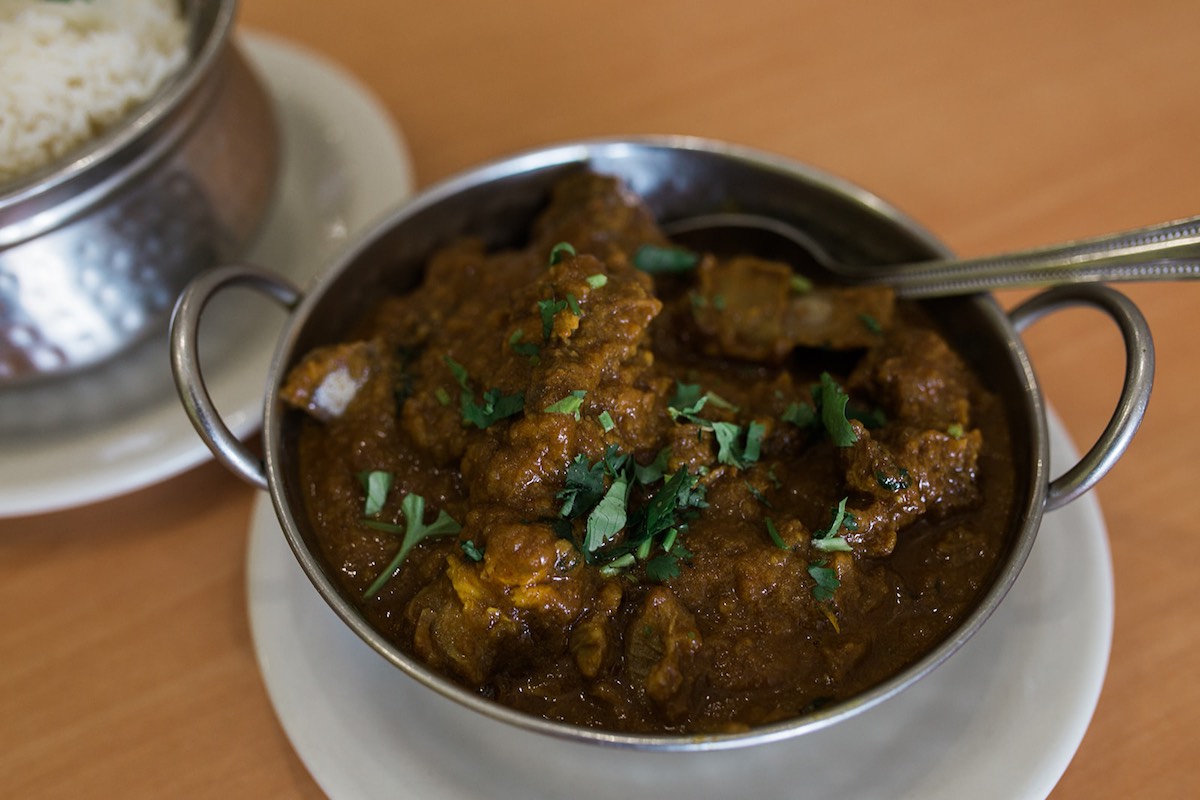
x,y
22,217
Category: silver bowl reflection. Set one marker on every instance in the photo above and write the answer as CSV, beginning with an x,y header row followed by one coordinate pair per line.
x,y
94,249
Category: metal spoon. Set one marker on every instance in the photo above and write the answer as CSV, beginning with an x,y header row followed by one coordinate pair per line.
x,y
1165,252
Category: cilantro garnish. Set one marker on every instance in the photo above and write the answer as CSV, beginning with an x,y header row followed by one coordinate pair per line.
x,y
568,405
459,372
584,486
830,540
654,471
802,415
528,349
800,284
376,483
597,280
955,430
870,323
662,568
894,481
659,260
687,401
493,407
472,551
606,421
607,519
831,400
414,530
773,532
758,495
737,445
548,309
826,580
651,530
560,251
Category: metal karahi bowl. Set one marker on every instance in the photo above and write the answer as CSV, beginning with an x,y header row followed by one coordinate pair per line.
x,y
679,177
95,248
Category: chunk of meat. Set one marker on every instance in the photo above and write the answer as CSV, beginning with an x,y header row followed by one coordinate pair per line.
x,y
598,215
918,473
328,379
917,378
661,646
750,308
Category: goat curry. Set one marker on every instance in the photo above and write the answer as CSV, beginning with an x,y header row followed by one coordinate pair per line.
x,y
612,482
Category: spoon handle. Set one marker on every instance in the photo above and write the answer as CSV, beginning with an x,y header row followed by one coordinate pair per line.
x,y
1166,252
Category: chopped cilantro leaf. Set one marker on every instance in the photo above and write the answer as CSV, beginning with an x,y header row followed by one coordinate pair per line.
x,y
754,438
826,580
573,304
830,540
955,430
495,407
560,251
737,446
870,323
894,481
597,280
607,519
662,568
548,309
376,483
614,460
773,532
606,421
800,284
653,472
621,562
687,400
472,551
415,529
459,372
715,399
832,406
522,348
660,511
659,260
802,415
568,405
757,494
584,487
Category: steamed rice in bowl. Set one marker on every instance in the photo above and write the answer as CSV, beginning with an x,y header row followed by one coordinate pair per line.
x,y
70,70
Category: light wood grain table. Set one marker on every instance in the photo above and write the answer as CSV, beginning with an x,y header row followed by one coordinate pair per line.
x,y
126,667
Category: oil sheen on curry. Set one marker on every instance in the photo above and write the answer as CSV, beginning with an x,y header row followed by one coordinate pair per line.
x,y
619,484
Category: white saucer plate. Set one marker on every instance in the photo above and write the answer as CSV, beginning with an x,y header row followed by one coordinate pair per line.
x,y
343,163
1000,719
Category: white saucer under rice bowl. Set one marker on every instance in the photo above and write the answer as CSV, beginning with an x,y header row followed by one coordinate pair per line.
x,y
70,70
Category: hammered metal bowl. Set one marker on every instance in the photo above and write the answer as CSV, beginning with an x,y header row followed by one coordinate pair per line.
x,y
95,248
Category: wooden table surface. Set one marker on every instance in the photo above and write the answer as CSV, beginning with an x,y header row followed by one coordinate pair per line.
x,y
126,666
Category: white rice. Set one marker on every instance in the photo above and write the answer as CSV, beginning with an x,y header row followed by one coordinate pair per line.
x,y
70,70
